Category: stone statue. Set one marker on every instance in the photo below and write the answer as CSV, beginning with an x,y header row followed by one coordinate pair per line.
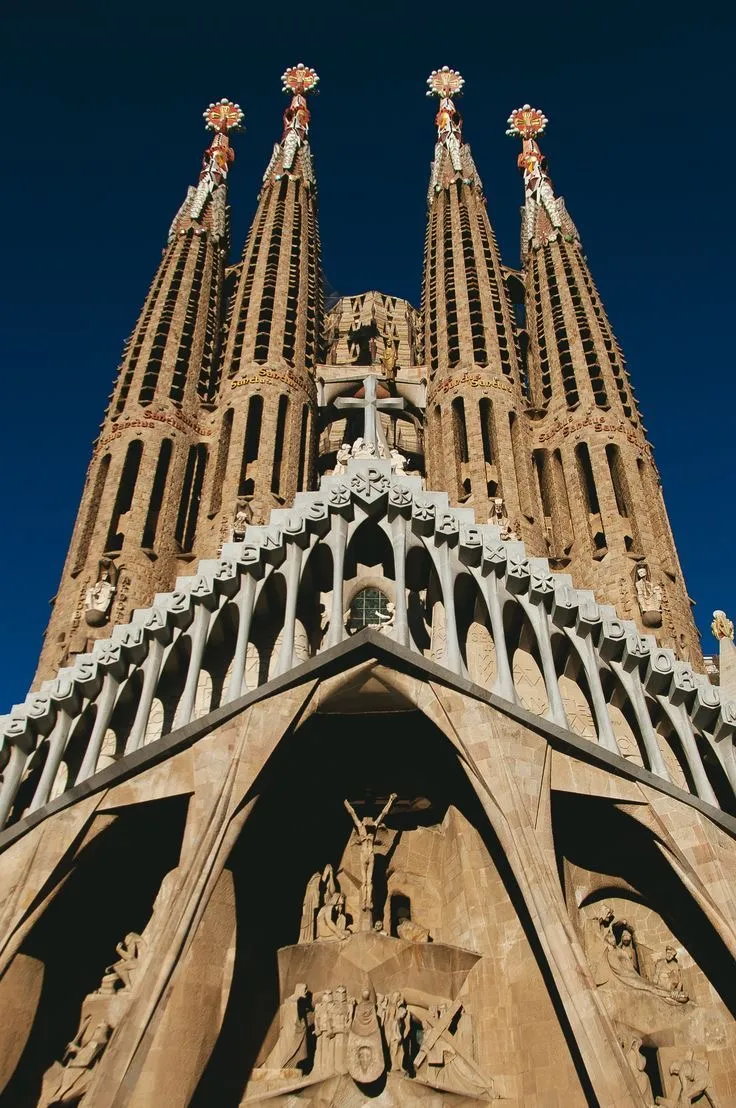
x,y
398,461
440,1060
342,459
694,1080
497,516
310,908
387,620
324,1050
631,1046
668,975
363,449
389,357
366,830
332,922
99,596
243,516
412,932
341,1018
130,951
67,1082
722,626
394,1016
621,960
365,1046
290,1051
649,595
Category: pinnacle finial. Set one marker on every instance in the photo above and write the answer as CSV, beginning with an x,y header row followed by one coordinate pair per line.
x,y
223,117
722,626
527,122
445,83
299,79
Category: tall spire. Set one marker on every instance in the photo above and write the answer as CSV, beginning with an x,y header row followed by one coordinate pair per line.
x,y
267,436
604,513
139,515
544,215
473,424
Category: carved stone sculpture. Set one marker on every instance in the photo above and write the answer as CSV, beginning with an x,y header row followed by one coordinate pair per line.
x,y
694,1081
649,596
341,1018
310,908
67,1082
332,922
394,1017
498,517
621,960
365,1046
668,975
398,461
441,1062
366,830
631,1046
98,598
413,932
290,1051
243,516
389,357
342,459
130,951
324,1039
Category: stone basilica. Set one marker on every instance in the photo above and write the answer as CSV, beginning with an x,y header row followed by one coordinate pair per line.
x,y
372,755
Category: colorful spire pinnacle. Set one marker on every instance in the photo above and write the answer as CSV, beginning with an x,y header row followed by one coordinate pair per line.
x,y
527,123
222,118
298,80
446,83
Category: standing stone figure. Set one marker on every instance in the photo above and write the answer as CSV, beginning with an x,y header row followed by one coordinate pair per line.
x,y
667,974
310,909
631,1047
324,1052
649,596
341,460
693,1078
365,1046
98,597
366,830
341,1018
395,1020
290,1051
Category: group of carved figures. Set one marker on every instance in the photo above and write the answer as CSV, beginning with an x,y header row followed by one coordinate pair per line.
x,y
616,957
361,448
331,1033
323,911
66,1081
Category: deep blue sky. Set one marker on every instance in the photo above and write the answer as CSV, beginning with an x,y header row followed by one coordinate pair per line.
x,y
103,132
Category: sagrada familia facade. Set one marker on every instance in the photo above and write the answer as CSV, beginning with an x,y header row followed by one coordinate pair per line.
x,y
372,755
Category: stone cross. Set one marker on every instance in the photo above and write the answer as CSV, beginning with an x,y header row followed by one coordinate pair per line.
x,y
371,405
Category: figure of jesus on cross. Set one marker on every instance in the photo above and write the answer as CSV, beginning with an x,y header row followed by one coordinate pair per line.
x,y
372,405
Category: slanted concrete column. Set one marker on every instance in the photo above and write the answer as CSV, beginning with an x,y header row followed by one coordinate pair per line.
x,y
678,717
337,542
631,681
11,780
504,683
292,576
587,654
198,637
57,744
539,619
246,602
398,542
151,674
105,704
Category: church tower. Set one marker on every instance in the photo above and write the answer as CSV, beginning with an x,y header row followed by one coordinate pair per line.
x,y
401,782
477,441
266,419
137,520
604,514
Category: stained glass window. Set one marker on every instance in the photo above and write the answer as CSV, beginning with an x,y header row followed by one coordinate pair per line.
x,y
368,609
